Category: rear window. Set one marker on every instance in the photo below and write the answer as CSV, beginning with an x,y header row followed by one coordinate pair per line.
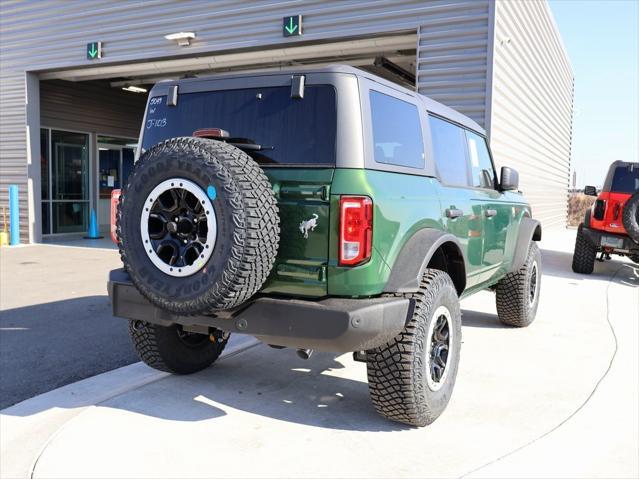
x,y
290,131
625,180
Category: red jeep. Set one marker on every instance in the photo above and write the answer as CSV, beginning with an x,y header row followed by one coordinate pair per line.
x,y
611,225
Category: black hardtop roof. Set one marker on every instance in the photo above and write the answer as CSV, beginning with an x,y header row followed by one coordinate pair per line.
x,y
431,105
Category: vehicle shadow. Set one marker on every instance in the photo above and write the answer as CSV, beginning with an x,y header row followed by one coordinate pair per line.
x,y
619,270
261,380
477,319
45,346
269,383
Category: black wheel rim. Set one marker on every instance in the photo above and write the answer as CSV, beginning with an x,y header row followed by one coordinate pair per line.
x,y
440,338
532,288
178,227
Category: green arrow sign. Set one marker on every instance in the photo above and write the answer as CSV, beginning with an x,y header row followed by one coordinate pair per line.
x,y
292,26
94,50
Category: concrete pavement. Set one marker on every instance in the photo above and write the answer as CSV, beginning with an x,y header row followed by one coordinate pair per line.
x,y
556,399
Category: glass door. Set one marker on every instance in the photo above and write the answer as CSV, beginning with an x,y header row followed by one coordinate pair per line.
x,y
114,166
69,182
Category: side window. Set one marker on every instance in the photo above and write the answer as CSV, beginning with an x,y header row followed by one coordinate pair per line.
x,y
449,151
481,168
397,131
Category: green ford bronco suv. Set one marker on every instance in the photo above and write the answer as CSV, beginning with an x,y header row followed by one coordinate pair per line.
x,y
323,209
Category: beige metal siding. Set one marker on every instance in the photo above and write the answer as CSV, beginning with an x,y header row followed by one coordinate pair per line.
x,y
532,94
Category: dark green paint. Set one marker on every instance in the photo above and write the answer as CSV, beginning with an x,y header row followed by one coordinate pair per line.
x,y
403,204
300,268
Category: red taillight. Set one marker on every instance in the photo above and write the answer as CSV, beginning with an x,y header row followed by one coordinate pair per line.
x,y
115,199
355,229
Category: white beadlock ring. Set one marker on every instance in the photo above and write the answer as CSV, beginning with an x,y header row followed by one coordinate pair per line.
x,y
440,311
209,246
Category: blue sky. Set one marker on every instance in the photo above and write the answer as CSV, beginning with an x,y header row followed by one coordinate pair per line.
x,y
602,40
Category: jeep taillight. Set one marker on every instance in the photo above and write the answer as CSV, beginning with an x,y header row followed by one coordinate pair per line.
x,y
599,210
115,199
355,229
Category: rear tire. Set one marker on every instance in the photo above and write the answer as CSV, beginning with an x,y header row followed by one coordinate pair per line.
x,y
518,293
403,374
173,350
583,258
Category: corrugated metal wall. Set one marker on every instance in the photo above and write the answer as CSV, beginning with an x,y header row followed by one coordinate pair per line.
x,y
453,57
13,143
46,34
92,107
454,61
532,100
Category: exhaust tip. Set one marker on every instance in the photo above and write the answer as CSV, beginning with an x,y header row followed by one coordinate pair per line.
x,y
304,353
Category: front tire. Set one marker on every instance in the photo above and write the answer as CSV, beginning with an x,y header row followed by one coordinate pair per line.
x,y
411,378
583,258
173,350
517,294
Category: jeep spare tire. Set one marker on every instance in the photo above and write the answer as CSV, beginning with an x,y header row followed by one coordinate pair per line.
x,y
198,226
630,217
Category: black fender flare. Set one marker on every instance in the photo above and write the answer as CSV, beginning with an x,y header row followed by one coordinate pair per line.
x,y
414,257
529,230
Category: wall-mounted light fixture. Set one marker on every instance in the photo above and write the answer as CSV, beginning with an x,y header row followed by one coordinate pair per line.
x,y
135,89
183,38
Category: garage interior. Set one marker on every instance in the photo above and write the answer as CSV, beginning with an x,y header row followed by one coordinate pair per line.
x,y
90,118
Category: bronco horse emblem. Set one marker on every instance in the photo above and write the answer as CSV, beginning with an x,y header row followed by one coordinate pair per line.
x,y
307,225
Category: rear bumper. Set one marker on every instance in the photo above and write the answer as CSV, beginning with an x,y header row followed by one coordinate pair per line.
x,y
601,239
333,324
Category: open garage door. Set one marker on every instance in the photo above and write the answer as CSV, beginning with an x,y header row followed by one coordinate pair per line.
x,y
101,108
392,56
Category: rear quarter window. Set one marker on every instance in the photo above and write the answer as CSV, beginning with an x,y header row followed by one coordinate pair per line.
x,y
291,131
397,131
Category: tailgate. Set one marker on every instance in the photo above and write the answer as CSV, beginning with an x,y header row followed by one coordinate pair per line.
x,y
303,200
613,212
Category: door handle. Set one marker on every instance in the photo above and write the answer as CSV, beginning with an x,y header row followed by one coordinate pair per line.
x,y
490,213
453,213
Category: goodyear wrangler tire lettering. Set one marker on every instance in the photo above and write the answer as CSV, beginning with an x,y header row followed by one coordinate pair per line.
x,y
189,254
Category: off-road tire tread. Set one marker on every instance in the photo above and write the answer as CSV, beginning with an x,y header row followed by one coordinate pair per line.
x,y
511,293
394,379
147,346
256,219
583,258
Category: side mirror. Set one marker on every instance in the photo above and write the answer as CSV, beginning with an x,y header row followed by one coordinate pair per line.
x,y
590,191
509,179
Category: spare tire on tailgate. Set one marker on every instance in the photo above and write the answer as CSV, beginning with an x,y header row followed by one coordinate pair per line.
x,y
630,217
198,226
